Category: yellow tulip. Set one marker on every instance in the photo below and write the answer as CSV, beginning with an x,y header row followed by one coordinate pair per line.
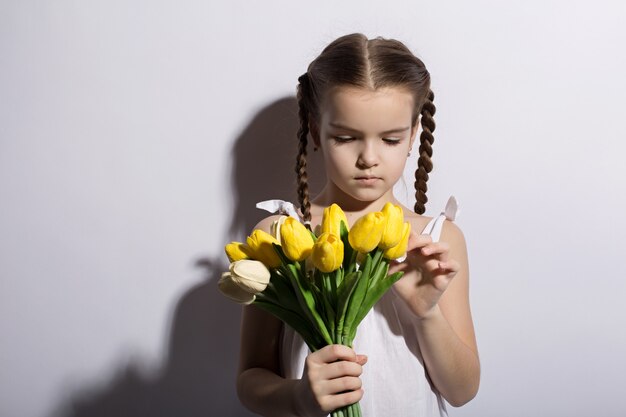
x,y
392,232
261,248
237,251
296,239
327,253
399,250
366,232
331,220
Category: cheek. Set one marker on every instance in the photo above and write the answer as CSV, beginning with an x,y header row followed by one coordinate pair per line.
x,y
397,160
339,159
397,154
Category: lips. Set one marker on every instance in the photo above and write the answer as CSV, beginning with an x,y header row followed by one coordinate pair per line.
x,y
366,179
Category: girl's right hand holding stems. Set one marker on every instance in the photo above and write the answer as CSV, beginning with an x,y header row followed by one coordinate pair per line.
x,y
330,381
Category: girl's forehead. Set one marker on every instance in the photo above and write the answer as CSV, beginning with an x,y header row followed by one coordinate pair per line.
x,y
354,104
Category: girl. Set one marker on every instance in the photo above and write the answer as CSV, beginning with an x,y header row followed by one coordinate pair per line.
x,y
361,101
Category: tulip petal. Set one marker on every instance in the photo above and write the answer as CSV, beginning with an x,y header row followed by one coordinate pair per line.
x,y
328,252
252,276
332,218
392,232
233,291
365,234
261,248
275,228
236,251
399,250
297,240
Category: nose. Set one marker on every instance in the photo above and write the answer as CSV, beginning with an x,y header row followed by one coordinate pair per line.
x,y
368,155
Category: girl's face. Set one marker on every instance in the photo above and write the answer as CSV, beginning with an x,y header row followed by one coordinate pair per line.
x,y
365,137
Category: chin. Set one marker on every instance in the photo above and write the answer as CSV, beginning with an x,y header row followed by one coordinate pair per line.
x,y
366,195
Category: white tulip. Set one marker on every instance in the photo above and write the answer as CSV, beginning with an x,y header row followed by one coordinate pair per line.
x,y
233,291
251,276
275,228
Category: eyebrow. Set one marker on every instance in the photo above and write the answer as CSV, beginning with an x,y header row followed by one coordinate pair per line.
x,y
386,132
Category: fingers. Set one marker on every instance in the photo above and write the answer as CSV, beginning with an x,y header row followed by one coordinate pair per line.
x,y
438,254
429,254
329,403
426,255
343,384
437,248
333,353
450,266
333,376
335,361
417,241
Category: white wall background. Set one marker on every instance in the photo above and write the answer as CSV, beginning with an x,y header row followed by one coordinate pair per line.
x,y
121,123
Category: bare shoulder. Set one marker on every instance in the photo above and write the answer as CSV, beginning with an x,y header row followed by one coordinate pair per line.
x,y
452,233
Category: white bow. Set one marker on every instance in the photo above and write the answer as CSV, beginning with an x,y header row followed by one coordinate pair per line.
x,y
434,227
279,206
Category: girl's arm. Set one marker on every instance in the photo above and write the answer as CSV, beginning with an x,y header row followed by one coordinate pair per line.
x,y
436,288
259,386
330,376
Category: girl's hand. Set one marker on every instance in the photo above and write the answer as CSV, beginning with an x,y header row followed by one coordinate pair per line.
x,y
330,381
427,273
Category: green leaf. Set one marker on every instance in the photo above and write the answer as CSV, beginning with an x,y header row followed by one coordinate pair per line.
x,y
343,230
307,301
381,288
347,288
356,299
330,316
281,254
296,322
349,254
338,279
281,291
376,291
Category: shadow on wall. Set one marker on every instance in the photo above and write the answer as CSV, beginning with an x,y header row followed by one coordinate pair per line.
x,y
198,374
264,159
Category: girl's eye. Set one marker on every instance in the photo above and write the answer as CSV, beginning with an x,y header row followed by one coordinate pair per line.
x,y
392,141
343,139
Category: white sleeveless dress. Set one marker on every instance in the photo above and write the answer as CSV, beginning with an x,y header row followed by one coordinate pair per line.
x,y
395,381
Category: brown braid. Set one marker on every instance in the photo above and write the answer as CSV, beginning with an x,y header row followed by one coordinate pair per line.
x,y
303,131
424,163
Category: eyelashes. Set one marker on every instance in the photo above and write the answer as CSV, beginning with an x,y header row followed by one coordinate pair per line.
x,y
343,139
392,142
348,139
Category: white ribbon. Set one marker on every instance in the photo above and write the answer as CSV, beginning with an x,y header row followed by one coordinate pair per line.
x,y
279,206
433,228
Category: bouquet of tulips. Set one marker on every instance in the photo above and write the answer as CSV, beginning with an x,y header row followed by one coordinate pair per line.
x,y
321,284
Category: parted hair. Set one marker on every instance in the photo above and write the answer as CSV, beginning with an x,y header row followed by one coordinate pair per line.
x,y
356,61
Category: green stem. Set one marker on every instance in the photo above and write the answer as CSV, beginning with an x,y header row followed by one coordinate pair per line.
x,y
306,299
352,410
